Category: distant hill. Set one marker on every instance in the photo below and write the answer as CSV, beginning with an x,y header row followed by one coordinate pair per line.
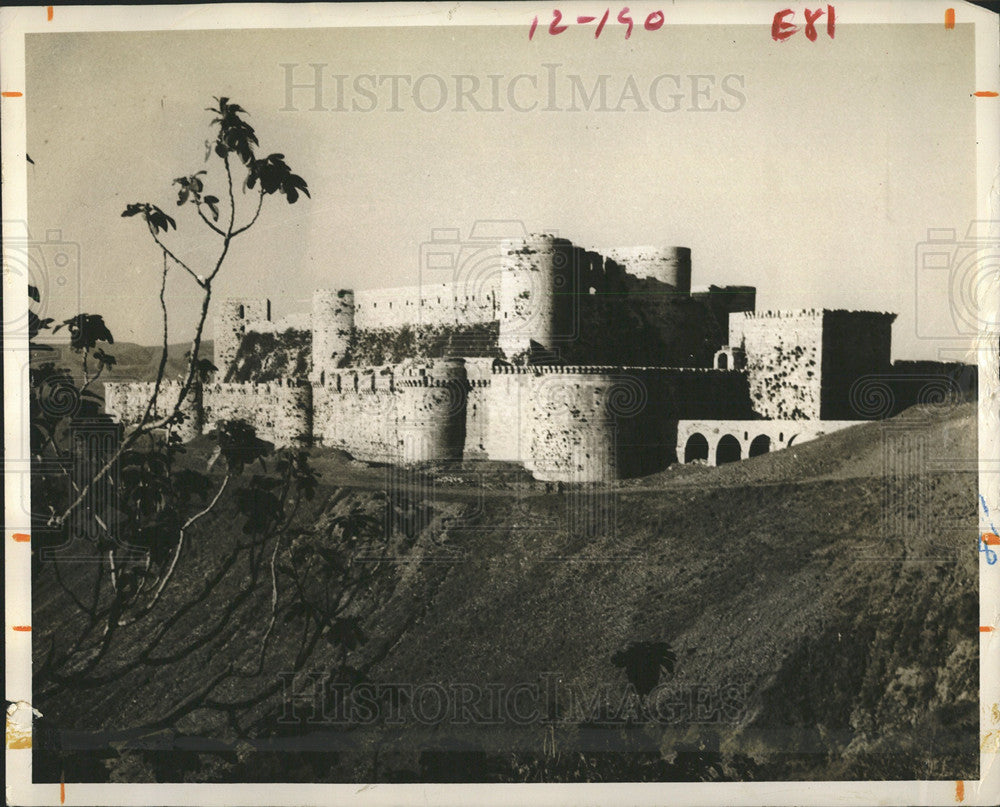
x,y
134,362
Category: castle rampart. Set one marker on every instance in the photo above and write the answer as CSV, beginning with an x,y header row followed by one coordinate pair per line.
x,y
580,366
454,303
280,411
127,403
538,281
297,322
801,364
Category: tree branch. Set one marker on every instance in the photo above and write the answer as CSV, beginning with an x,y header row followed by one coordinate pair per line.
x,y
161,369
205,219
260,204
173,257
177,553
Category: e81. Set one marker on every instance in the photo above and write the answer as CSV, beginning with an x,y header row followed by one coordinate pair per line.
x,y
782,29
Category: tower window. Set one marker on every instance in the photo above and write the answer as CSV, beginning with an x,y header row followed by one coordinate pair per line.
x,y
243,312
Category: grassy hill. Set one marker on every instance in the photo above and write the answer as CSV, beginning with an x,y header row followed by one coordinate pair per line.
x,y
811,613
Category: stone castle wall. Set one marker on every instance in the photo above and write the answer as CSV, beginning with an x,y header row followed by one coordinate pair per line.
x,y
333,313
400,415
801,365
453,303
280,411
856,344
539,321
127,402
542,291
592,423
669,265
298,322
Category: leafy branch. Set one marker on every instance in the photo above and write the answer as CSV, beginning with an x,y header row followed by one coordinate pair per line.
x,y
233,136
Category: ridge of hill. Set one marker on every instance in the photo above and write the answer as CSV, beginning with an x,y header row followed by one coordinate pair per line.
x,y
133,362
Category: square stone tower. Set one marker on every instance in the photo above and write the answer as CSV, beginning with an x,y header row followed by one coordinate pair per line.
x,y
231,319
801,365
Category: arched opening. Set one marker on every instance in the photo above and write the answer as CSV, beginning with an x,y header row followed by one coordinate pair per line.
x,y
696,448
243,312
723,362
791,440
728,450
761,445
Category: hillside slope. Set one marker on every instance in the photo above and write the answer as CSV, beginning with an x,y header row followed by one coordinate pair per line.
x,y
807,614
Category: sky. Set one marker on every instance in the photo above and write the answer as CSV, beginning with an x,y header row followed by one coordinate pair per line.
x,y
815,177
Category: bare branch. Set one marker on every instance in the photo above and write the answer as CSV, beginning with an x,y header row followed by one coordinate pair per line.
x,y
174,258
177,553
248,225
205,219
161,369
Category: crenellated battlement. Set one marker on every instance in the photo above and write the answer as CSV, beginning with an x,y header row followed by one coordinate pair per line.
x,y
252,387
595,369
815,312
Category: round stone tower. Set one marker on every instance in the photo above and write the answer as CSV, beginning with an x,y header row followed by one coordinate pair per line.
x,y
537,289
671,265
431,406
332,327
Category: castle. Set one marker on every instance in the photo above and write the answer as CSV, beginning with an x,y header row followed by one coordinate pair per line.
x,y
579,366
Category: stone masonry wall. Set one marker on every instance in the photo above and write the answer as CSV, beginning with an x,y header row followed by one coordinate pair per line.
x,y
230,324
280,411
453,303
856,344
407,413
591,423
126,402
297,321
332,330
783,356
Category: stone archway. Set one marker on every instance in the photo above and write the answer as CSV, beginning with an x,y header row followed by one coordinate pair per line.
x,y
696,448
761,445
728,450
